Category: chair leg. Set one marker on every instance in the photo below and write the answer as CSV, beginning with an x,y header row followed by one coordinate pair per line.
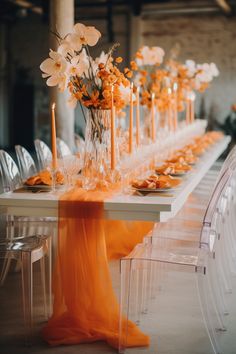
x,y
49,254
43,281
208,311
125,288
27,292
5,269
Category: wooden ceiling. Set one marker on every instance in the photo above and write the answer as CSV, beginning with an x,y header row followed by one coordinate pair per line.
x,y
12,10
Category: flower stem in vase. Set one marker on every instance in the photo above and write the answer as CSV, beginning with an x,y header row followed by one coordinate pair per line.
x,y
153,119
97,138
113,133
54,178
131,120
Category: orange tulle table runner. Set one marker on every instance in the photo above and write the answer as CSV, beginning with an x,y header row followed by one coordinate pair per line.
x,y
85,306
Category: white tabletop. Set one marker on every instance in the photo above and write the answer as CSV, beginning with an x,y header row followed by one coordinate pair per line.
x,y
152,207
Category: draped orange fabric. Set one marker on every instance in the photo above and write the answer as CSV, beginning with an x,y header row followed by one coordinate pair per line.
x,y
85,306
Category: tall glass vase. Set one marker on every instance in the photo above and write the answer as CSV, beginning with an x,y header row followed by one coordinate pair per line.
x,y
148,123
97,148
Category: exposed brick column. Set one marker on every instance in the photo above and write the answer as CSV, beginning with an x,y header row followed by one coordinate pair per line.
x,y
62,20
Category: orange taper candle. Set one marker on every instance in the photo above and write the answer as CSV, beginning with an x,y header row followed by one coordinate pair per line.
x,y
113,133
137,117
53,137
169,112
131,120
153,118
187,117
175,88
192,109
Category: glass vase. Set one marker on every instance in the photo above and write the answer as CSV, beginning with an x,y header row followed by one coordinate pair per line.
x,y
96,150
147,128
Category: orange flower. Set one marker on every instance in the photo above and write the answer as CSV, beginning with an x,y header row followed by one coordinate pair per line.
x,y
93,101
118,60
78,95
138,55
101,66
133,65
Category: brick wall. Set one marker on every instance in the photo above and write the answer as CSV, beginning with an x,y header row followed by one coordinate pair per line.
x,y
205,38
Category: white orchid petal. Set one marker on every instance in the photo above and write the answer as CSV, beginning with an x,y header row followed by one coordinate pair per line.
x,y
75,42
53,80
54,55
79,28
92,36
47,66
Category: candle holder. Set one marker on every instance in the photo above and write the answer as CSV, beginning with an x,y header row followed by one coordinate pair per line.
x,y
54,179
58,177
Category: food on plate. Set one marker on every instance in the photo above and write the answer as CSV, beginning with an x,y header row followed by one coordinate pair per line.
x,y
156,182
44,178
173,168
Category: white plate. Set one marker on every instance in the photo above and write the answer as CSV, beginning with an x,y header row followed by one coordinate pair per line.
x,y
157,190
41,187
177,174
37,187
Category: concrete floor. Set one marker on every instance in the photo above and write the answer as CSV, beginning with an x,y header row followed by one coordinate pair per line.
x,y
173,322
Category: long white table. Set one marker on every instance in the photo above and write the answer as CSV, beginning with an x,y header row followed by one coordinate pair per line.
x,y
152,207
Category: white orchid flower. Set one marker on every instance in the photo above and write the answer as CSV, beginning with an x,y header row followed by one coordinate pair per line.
x,y
83,35
53,68
214,70
151,56
104,58
191,67
125,93
74,68
62,82
204,73
157,55
204,76
65,48
84,63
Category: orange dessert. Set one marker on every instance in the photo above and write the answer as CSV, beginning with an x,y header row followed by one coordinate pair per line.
x,y
156,182
45,178
173,168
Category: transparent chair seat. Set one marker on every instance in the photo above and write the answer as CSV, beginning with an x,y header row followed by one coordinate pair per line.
x,y
28,251
26,163
44,154
167,250
22,244
63,149
11,178
17,243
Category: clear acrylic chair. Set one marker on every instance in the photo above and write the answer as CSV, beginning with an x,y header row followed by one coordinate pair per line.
x,y
194,208
63,149
26,163
27,251
204,258
44,154
11,178
18,228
